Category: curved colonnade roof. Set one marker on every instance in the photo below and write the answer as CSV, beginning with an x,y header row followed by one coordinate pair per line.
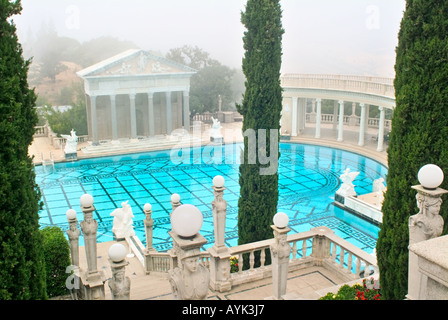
x,y
368,90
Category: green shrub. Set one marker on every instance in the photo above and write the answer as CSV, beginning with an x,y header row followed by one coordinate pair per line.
x,y
368,290
57,259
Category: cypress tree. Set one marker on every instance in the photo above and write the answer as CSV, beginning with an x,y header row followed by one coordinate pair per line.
x,y
22,273
419,132
261,108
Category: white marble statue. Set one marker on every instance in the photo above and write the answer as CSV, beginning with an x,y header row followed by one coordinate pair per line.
x,y
215,132
379,188
122,223
72,142
347,188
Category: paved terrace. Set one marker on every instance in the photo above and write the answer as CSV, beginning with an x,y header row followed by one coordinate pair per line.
x,y
308,283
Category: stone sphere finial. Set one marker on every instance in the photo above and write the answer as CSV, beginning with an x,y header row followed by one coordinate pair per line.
x,y
71,214
117,252
147,207
186,220
86,200
218,181
430,176
281,220
175,197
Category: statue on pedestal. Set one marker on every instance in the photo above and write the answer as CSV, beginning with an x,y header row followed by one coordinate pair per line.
x,y
122,223
215,132
347,188
71,144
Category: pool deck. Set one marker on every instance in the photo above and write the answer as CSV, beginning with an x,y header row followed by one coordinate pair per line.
x,y
307,284
232,133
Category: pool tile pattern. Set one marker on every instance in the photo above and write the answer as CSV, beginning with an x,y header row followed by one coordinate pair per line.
x,y
308,179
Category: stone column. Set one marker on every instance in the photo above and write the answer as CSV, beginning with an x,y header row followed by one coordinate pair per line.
x,y
94,120
151,122
280,252
341,121
381,130
186,105
169,120
362,125
149,223
113,114
73,234
133,116
318,117
175,203
119,284
219,253
426,224
93,280
294,117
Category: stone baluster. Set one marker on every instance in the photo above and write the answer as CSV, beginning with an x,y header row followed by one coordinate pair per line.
x,y
219,253
427,223
93,280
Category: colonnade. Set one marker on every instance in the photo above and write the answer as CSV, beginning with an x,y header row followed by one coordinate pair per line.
x,y
298,120
173,117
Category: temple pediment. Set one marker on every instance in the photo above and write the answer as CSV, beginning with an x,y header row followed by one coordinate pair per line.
x,y
134,62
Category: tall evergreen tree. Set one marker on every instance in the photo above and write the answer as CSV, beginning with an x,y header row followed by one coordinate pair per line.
x,y
22,273
419,132
261,108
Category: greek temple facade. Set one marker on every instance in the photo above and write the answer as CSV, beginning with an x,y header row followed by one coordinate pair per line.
x,y
136,94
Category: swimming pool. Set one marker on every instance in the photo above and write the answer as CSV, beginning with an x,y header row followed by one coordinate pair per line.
x,y
308,180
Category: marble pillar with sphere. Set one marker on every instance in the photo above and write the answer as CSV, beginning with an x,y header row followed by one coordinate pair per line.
x,y
219,253
190,279
93,280
280,252
73,234
427,223
119,284
175,203
149,224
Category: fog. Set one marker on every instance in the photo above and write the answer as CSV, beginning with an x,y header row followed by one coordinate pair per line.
x,y
321,36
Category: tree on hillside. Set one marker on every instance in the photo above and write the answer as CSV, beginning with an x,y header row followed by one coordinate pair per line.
x,y
212,79
22,269
419,132
261,108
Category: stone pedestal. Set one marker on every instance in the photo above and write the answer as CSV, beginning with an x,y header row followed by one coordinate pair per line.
x,y
92,279
191,279
280,252
219,253
426,224
432,262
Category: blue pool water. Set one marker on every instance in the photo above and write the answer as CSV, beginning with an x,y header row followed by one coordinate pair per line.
x,y
308,180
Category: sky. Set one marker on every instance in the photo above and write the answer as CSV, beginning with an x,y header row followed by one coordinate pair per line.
x,y
356,37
